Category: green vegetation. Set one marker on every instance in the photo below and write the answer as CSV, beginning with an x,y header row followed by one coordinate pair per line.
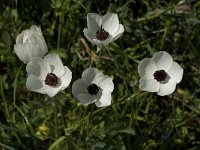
x,y
135,120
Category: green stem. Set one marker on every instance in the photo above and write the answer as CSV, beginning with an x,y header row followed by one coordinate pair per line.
x,y
6,146
165,33
58,104
154,16
55,118
26,120
99,57
59,29
5,104
83,117
6,111
14,89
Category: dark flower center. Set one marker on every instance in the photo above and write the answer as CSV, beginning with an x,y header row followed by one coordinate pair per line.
x,y
93,89
51,79
160,76
102,34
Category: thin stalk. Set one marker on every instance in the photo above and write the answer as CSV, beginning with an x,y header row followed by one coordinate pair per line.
x,y
154,16
59,30
55,117
6,111
132,111
165,33
58,105
6,146
99,57
14,90
79,139
26,120
5,104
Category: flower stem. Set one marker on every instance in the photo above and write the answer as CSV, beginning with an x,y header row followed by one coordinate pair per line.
x,y
55,117
5,104
14,90
99,57
59,120
59,29
58,104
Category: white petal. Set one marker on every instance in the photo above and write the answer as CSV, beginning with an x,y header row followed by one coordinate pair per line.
x,y
33,68
88,35
39,40
118,33
110,23
95,41
79,87
86,99
105,99
149,85
163,60
104,82
93,22
166,89
147,68
36,29
34,84
56,64
52,91
175,72
27,50
66,78
38,67
101,43
21,52
32,50
27,35
89,74
107,41
19,39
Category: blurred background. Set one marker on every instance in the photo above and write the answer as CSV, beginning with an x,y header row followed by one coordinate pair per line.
x,y
135,120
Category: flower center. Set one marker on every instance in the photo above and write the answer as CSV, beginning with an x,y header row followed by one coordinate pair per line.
x,y
93,89
51,79
102,34
161,76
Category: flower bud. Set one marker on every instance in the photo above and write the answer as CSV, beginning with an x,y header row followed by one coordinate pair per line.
x,y
30,43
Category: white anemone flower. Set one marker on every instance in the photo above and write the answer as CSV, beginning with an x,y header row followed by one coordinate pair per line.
x,y
159,74
103,29
30,43
93,87
48,75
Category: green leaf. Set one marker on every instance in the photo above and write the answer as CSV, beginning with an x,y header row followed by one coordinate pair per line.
x,y
56,142
194,20
56,4
6,39
14,14
61,52
126,130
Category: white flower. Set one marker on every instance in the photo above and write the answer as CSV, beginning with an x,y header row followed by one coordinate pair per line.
x,y
48,75
103,30
159,74
93,87
183,7
30,43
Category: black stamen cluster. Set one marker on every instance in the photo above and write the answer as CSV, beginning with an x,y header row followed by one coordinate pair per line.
x,y
93,89
102,34
51,79
160,75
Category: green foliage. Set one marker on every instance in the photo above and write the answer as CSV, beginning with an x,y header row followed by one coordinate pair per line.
x,y
136,119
